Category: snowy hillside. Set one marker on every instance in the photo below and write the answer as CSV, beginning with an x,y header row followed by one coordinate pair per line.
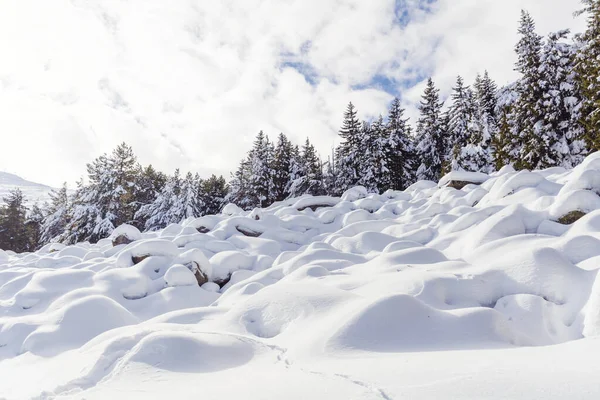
x,y
33,192
474,287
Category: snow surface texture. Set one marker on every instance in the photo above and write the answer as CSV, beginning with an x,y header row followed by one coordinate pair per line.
x,y
433,292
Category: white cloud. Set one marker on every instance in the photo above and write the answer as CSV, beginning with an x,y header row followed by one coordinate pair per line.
x,y
189,83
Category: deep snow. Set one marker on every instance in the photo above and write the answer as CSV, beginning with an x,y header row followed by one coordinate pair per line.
x,y
429,293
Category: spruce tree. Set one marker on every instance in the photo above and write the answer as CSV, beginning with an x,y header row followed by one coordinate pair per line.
x,y
527,114
281,167
33,226
159,214
431,144
348,153
56,215
462,126
399,149
13,229
588,75
214,192
187,202
480,150
560,104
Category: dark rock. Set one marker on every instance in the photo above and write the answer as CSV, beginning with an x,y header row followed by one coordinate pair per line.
x,y
248,232
571,217
314,207
139,259
200,276
223,282
121,239
202,229
458,185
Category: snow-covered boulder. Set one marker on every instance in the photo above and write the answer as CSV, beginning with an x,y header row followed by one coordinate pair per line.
x,y
180,275
125,234
460,179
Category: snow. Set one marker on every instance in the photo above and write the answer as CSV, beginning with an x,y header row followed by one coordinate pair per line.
x,y
428,293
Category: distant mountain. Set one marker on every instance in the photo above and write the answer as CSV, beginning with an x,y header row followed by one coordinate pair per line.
x,y
33,192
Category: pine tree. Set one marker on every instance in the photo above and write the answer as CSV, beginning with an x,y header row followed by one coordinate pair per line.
x,y
149,184
462,126
187,202
13,230
399,150
431,143
588,75
159,214
330,176
33,225
309,171
526,112
374,173
84,217
505,143
240,186
480,151
214,192
56,216
261,175
560,104
282,167
348,154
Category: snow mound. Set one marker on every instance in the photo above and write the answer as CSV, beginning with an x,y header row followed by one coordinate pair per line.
x,y
318,290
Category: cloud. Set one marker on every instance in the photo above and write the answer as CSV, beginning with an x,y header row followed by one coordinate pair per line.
x,y
188,83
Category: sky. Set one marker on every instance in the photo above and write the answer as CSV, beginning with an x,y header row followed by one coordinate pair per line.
x,y
189,83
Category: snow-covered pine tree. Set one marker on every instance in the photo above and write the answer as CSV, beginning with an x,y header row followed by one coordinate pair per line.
x,y
505,142
13,231
399,149
526,113
240,186
56,215
462,126
430,141
330,176
588,75
158,214
281,167
188,202
149,184
480,151
214,192
374,171
261,174
560,103
310,180
33,225
85,215
296,172
347,153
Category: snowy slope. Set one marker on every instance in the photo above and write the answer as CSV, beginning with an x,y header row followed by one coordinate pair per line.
x,y
33,192
434,292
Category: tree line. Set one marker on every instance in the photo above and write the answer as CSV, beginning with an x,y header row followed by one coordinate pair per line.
x,y
550,116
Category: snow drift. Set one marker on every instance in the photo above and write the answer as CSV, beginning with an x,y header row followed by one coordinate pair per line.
x,y
299,299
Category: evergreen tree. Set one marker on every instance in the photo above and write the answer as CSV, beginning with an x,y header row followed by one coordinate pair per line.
x,y
282,167
504,142
462,126
431,143
261,175
13,229
149,183
531,147
56,216
309,173
33,225
214,192
240,186
187,202
399,150
159,214
348,154
560,104
588,75
374,173
479,154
